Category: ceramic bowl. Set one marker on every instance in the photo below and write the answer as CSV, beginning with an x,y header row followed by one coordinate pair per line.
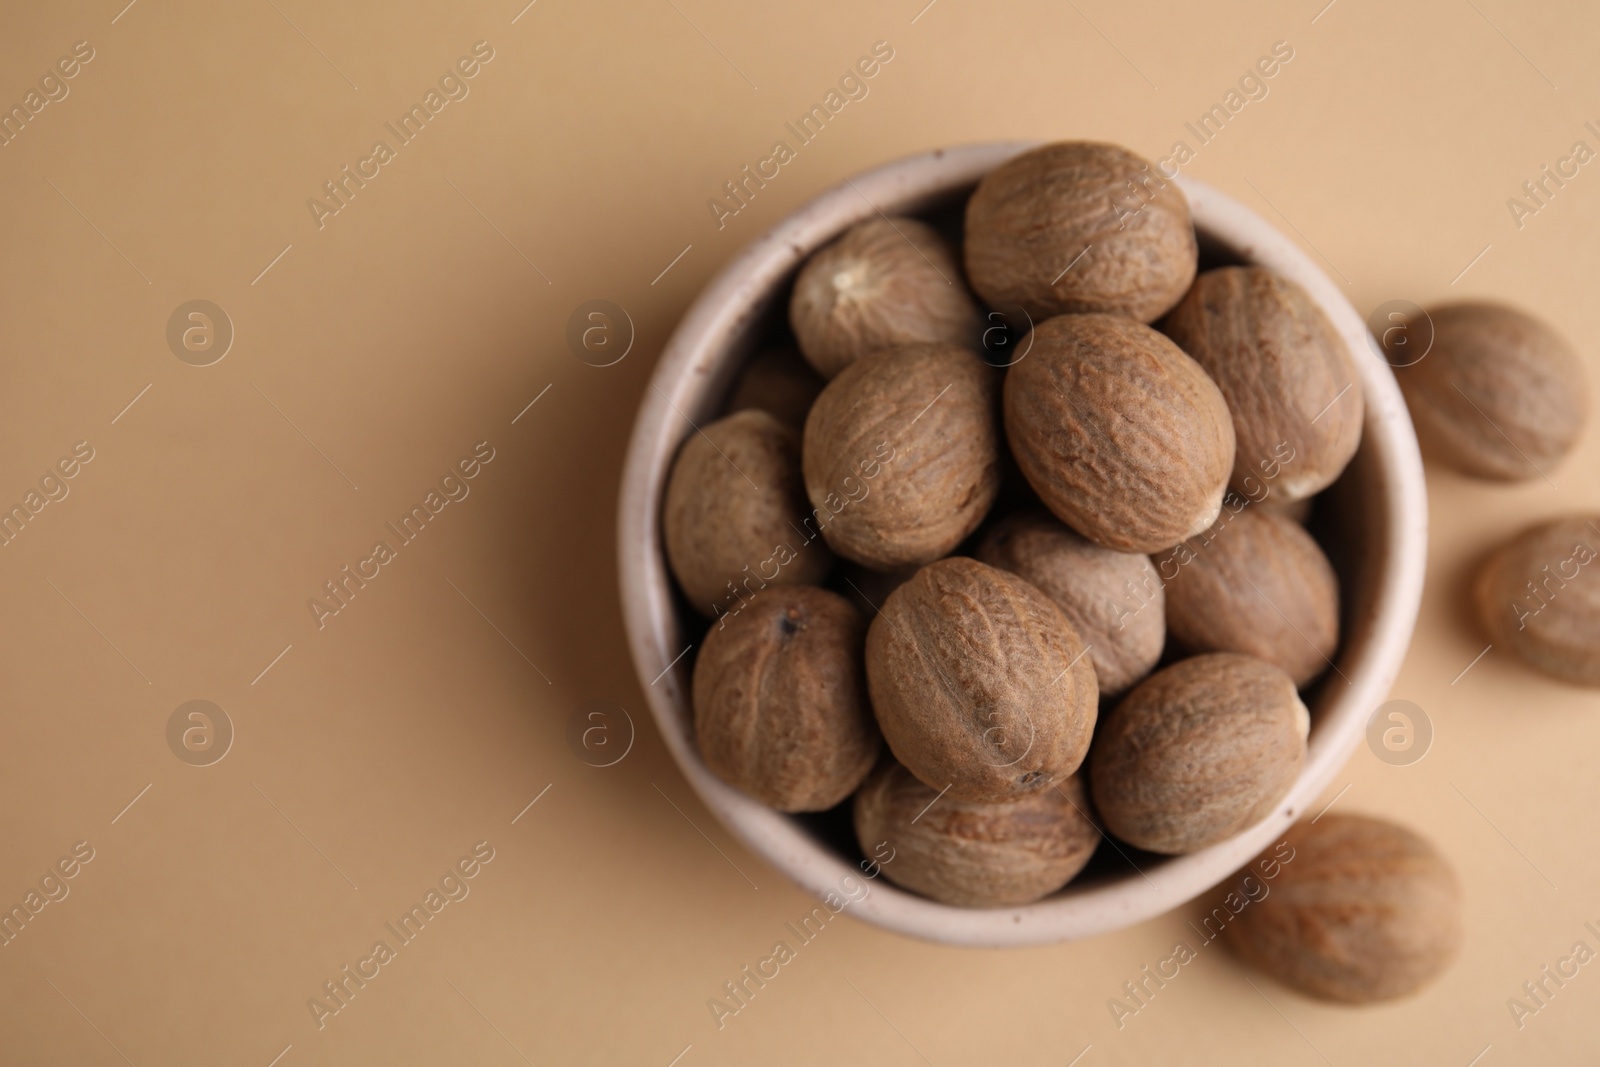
x,y
1372,521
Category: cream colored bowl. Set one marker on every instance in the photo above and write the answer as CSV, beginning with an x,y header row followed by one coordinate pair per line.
x,y
1380,502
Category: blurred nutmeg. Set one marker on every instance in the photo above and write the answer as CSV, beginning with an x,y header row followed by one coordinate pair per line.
x,y
1362,910
902,455
732,515
1080,227
885,282
1287,375
979,682
778,382
1121,434
1498,395
1198,752
1538,595
972,854
780,699
1114,600
1255,583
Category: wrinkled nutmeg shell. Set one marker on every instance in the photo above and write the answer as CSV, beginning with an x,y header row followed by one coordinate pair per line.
x,y
979,682
1362,911
1121,434
1499,394
780,699
902,455
1287,376
735,500
1539,596
884,283
779,382
1255,583
971,854
1198,752
1080,227
1114,600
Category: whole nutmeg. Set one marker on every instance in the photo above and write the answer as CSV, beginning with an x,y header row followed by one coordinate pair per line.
x,y
1362,910
1114,600
1080,227
971,854
1198,752
1285,371
902,456
1255,583
1539,596
980,684
1121,434
886,282
732,514
780,700
1498,395
779,382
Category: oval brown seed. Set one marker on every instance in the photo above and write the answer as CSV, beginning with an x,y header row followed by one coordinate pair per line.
x,y
1539,596
1198,752
884,283
979,682
1499,395
1121,434
1286,373
1255,583
732,514
1080,227
780,700
972,854
902,455
1362,910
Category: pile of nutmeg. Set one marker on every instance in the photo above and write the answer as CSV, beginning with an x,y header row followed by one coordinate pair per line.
x,y
1074,596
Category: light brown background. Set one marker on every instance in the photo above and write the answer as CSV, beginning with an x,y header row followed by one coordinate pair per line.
x,y
376,751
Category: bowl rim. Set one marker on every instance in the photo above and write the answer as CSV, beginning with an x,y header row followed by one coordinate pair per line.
x,y
680,382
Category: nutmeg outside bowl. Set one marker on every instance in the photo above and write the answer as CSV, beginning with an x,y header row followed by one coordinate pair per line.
x,y
1378,544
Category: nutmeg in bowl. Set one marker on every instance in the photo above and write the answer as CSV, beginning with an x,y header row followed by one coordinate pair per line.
x,y
1377,544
